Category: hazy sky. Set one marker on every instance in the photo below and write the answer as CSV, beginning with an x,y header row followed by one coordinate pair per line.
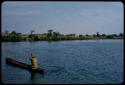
x,y
65,17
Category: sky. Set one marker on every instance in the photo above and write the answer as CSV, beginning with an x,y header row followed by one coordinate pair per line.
x,y
64,17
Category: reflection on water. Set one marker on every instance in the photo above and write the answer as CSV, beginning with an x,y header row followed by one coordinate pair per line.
x,y
33,75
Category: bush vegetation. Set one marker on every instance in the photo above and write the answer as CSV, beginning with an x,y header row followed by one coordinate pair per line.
x,y
55,36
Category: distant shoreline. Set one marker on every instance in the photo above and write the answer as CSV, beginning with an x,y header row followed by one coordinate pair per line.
x,y
64,40
55,36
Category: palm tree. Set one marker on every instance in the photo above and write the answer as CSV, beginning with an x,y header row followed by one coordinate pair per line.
x,y
97,33
31,33
50,32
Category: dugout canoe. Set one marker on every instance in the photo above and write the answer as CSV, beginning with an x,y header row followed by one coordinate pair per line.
x,y
23,65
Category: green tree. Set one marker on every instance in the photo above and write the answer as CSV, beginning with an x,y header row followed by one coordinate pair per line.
x,y
14,36
72,35
120,34
103,35
80,36
94,35
114,35
13,32
87,35
36,38
56,34
109,36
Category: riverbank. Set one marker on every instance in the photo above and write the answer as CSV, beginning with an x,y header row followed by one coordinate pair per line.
x,y
55,36
64,40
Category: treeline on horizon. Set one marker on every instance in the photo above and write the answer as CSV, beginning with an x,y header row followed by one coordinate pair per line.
x,y
54,36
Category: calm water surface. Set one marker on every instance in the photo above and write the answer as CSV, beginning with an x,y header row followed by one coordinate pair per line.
x,y
66,62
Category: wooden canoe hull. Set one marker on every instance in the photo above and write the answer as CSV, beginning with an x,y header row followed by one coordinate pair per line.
x,y
23,65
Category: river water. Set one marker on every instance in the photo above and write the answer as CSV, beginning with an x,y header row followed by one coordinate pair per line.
x,y
65,62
